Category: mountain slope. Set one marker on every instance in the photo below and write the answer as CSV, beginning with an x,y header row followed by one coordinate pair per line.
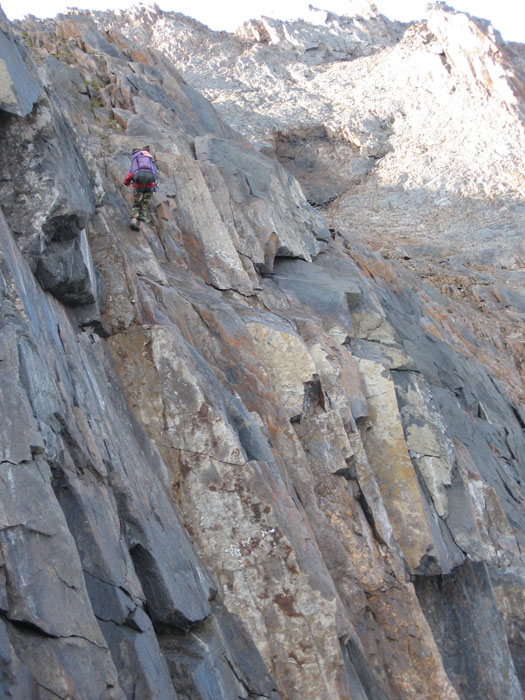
x,y
260,448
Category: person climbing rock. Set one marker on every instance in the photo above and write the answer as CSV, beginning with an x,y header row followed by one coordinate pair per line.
x,y
143,175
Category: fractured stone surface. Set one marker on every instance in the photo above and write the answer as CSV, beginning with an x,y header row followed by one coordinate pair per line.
x,y
243,454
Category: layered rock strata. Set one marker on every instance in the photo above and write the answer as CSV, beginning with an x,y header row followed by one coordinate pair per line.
x,y
243,455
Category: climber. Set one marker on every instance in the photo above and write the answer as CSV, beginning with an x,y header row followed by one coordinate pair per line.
x,y
143,175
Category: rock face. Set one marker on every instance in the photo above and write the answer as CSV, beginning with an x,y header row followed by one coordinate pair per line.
x,y
246,452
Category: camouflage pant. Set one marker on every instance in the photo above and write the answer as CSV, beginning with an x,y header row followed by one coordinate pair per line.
x,y
140,203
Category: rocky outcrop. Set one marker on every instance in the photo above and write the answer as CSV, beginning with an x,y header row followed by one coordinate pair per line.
x,y
47,194
325,36
477,55
243,455
20,87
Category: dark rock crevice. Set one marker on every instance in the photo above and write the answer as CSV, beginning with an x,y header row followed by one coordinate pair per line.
x,y
237,671
363,683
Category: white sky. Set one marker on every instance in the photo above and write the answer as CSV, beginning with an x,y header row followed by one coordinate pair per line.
x,y
508,16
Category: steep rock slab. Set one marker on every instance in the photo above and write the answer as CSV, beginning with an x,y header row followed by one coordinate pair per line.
x,y
426,438
508,587
298,230
354,532
218,659
43,573
48,200
20,89
476,501
219,365
206,238
458,382
239,514
112,494
138,493
359,549
249,530
15,680
186,579
207,487
175,585
20,437
388,453
474,647
286,358
327,290
45,589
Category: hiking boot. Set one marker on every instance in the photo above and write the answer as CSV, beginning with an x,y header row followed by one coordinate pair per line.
x,y
134,223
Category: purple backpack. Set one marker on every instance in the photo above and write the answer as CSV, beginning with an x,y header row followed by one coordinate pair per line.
x,y
143,168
